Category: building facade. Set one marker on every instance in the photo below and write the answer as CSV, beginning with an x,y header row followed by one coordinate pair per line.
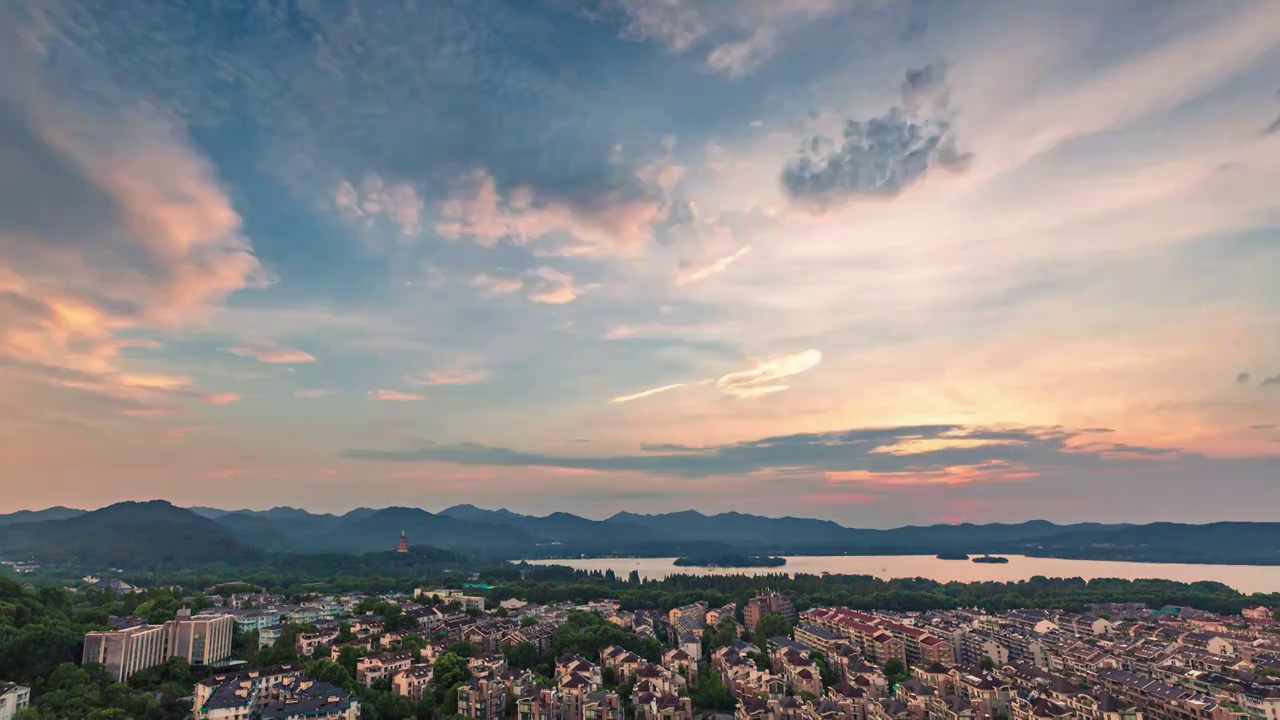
x,y
201,640
124,652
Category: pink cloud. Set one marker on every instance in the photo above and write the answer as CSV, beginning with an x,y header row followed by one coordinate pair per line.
x,y
221,398
272,354
616,222
154,244
463,371
395,395
178,433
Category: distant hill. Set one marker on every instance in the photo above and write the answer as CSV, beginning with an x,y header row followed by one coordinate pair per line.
x,y
561,527
1239,542
737,528
27,516
128,534
158,532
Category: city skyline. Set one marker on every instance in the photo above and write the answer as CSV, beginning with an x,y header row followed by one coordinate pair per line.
x,y
884,263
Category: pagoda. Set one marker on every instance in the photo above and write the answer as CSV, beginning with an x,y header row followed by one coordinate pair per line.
x,y
403,547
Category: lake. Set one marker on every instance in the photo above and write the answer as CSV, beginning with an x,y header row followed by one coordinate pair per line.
x,y
1245,578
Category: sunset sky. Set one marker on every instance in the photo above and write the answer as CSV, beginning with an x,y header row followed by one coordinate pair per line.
x,y
875,261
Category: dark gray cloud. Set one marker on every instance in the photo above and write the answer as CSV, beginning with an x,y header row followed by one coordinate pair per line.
x,y
1243,378
875,450
926,86
1268,382
881,156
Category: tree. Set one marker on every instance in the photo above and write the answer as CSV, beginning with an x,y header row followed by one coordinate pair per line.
x,y
771,625
330,672
607,676
722,634
986,663
450,671
895,672
527,622
712,694
348,657
824,668
523,656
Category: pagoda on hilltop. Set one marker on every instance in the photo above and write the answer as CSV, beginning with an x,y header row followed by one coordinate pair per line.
x,y
404,543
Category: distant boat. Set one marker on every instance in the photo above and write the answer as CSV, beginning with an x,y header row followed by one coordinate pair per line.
x,y
952,556
991,559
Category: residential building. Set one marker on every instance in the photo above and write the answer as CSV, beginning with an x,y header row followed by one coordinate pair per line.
x,y
124,652
373,668
1256,612
539,704
756,608
200,639
13,700
307,642
482,699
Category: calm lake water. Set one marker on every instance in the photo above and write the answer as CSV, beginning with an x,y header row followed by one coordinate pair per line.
x,y
1245,578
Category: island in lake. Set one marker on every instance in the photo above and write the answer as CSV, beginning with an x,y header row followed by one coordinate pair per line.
x,y
991,559
730,560
952,556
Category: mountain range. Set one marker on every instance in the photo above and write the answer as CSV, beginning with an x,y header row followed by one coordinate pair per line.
x,y
157,532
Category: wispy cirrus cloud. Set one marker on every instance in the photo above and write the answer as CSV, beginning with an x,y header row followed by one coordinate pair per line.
x,y
699,273
543,285
396,395
462,371
735,37
272,354
763,379
312,393
645,393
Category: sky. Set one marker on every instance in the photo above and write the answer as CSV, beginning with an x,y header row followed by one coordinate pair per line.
x,y
883,262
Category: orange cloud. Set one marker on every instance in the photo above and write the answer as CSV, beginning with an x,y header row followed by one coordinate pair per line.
x,y
955,475
150,241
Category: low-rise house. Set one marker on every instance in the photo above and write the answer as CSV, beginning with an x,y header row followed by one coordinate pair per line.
x,y
649,706
412,681
14,699
307,642
602,705
373,668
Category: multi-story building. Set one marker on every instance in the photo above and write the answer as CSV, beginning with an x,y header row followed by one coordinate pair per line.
x,y
412,682
200,639
482,699
13,700
124,652
539,704
307,642
602,706
373,668
756,608
312,701
818,638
